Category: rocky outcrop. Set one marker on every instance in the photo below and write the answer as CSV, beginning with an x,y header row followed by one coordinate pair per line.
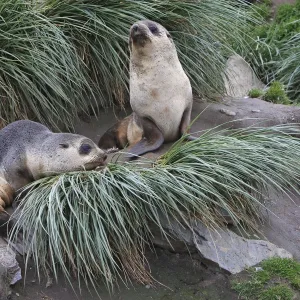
x,y
240,78
242,113
10,271
223,247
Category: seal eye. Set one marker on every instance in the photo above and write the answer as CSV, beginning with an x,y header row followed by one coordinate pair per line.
x,y
64,146
153,28
85,149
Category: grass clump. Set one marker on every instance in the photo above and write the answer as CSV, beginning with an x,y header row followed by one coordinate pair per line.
x,y
284,268
61,57
95,224
255,93
278,279
276,94
288,68
264,9
41,75
275,50
281,292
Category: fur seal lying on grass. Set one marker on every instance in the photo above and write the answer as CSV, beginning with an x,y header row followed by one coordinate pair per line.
x,y
160,93
29,151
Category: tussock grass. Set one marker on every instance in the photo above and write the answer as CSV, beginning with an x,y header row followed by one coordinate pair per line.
x,y
61,57
40,73
96,224
288,68
278,278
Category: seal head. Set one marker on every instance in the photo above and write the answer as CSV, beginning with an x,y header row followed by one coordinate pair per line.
x,y
145,32
65,152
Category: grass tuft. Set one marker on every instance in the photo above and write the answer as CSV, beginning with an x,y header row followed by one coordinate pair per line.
x,y
278,279
61,57
40,72
276,94
255,93
96,224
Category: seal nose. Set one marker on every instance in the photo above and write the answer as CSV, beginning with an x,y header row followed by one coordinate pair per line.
x,y
135,28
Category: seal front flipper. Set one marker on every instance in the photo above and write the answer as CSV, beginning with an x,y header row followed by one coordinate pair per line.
x,y
115,136
152,139
184,124
6,194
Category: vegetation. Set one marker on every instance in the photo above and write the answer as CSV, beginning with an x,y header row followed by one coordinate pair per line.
x,y
276,50
255,93
61,57
276,94
279,278
96,224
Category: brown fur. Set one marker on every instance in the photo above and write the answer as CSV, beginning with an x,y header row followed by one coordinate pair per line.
x,y
115,136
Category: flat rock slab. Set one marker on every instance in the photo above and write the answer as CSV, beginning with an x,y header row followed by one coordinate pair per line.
x,y
241,113
223,247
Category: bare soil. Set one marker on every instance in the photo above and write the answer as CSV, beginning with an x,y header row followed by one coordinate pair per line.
x,y
183,277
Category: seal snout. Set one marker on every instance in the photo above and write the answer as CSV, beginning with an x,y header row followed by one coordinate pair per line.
x,y
135,28
139,33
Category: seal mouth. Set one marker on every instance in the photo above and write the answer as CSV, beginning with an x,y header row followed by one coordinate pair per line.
x,y
97,163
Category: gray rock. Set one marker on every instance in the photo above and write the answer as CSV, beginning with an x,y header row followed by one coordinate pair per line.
x,y
9,263
227,112
5,290
230,251
270,114
240,78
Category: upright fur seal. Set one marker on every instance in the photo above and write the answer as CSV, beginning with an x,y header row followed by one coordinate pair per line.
x,y
160,92
29,151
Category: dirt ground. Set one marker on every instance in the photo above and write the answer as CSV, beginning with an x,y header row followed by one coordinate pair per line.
x,y
184,278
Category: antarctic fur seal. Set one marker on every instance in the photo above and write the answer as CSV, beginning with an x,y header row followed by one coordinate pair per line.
x,y
160,93
29,151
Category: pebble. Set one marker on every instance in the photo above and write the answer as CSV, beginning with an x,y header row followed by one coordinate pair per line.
x,y
255,110
17,294
258,269
227,112
147,286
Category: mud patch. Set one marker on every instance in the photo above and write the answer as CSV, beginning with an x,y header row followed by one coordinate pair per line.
x,y
182,276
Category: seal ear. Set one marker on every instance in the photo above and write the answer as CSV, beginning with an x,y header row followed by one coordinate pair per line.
x,y
64,146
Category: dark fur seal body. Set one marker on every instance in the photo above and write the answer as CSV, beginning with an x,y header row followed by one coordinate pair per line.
x,y
29,151
160,92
